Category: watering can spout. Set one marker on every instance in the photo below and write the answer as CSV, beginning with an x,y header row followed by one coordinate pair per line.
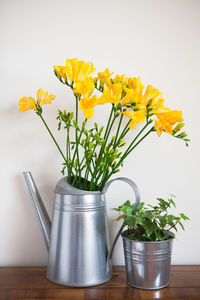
x,y
43,217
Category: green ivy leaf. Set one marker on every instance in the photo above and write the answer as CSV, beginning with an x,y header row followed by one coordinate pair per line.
x,y
149,227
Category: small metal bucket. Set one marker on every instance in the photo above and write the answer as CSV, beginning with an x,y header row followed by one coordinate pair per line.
x,y
147,263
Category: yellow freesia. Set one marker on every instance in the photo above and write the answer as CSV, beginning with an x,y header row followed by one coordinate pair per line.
x,y
130,97
105,77
85,87
158,127
133,91
136,85
81,69
47,99
75,70
153,98
135,116
107,97
105,74
151,94
122,79
61,71
158,107
117,92
27,103
112,95
39,95
166,120
172,117
87,105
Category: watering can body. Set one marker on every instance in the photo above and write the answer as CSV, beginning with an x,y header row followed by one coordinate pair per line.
x,y
78,238
79,242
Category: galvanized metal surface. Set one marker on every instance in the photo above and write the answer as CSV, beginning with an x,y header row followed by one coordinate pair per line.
x,y
147,263
79,251
43,217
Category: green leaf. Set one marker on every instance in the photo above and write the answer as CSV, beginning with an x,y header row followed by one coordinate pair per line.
x,y
181,225
172,202
162,220
140,206
184,217
119,218
149,227
159,236
130,221
127,210
149,223
163,204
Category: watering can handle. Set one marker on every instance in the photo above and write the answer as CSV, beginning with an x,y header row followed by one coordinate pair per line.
x,y
137,201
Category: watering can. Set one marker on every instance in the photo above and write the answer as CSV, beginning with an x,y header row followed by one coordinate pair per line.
x,y
77,238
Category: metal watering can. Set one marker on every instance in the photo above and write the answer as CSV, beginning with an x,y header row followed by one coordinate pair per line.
x,y
77,239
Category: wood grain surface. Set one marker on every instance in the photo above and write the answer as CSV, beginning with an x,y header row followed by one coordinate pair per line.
x,y
28,283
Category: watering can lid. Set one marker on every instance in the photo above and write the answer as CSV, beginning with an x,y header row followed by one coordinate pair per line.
x,y
64,188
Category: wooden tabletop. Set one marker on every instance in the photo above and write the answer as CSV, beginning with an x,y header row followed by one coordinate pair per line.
x,y
27,283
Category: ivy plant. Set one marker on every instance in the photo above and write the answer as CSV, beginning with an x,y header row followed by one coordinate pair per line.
x,y
151,222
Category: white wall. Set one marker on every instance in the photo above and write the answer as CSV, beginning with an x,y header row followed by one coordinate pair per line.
x,y
158,40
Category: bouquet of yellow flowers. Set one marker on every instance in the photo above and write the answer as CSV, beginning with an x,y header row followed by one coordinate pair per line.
x,y
103,154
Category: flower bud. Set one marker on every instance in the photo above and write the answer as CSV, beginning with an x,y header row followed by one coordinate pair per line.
x,y
178,127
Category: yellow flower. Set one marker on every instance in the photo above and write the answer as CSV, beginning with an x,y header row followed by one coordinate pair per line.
x,y
158,127
154,99
75,70
158,107
105,77
47,99
151,94
107,97
27,103
136,84
39,95
87,105
81,69
85,88
167,120
130,97
123,79
133,91
135,116
112,95
117,92
61,71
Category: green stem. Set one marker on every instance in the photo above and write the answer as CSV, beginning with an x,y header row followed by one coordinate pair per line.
x,y
103,145
53,139
125,130
152,129
127,152
78,138
118,128
77,141
68,155
108,133
107,128
129,149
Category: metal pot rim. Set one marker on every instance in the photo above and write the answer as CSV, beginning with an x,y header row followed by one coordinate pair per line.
x,y
146,242
63,183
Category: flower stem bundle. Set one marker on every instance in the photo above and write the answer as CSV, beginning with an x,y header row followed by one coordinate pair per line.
x,y
103,153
